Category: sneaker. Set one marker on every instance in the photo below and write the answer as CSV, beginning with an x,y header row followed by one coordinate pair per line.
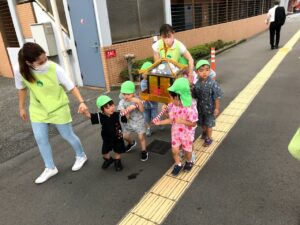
x,y
46,175
207,142
80,161
188,166
129,147
144,156
118,165
107,162
148,132
176,170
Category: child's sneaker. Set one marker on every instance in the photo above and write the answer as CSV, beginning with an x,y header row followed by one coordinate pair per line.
x,y
176,170
188,166
107,162
129,147
207,142
118,165
148,132
144,156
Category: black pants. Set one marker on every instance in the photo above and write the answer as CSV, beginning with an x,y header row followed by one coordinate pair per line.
x,y
274,30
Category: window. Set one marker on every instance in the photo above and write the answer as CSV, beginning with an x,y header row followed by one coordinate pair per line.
x,y
134,19
46,5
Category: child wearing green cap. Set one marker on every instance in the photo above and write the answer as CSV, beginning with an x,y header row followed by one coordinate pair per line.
x,y
111,131
135,119
183,116
207,92
150,108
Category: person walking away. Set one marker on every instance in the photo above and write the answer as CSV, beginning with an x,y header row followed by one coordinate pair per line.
x,y
275,19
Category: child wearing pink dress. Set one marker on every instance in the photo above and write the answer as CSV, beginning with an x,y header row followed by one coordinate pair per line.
x,y
183,116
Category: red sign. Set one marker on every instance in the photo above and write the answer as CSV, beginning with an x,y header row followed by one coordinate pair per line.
x,y
110,53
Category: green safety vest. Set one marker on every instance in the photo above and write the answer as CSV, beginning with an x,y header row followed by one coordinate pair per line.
x,y
171,53
48,101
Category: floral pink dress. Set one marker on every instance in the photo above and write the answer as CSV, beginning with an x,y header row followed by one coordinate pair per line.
x,y
183,135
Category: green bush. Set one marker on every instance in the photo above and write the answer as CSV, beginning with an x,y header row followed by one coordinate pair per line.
x,y
198,52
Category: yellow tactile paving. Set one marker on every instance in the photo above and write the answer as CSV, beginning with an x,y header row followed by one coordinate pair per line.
x,y
156,205
169,187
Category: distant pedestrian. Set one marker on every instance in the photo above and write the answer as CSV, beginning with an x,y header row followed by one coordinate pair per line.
x,y
111,131
275,19
48,104
171,48
207,92
135,119
150,107
183,115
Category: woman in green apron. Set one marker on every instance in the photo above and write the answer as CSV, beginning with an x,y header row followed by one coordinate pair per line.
x,y
49,104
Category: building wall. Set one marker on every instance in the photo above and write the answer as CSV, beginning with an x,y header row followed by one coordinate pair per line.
x,y
5,68
236,30
26,17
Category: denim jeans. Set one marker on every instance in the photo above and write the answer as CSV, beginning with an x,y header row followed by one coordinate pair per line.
x,y
40,131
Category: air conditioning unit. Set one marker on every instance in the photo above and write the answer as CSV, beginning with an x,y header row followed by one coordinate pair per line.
x,y
43,35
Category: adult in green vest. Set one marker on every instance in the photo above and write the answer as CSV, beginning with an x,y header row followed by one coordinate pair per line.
x,y
49,104
169,47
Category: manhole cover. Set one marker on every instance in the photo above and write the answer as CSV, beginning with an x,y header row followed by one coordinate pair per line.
x,y
160,147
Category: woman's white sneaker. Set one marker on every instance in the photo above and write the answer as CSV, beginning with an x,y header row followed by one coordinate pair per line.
x,y
46,175
79,163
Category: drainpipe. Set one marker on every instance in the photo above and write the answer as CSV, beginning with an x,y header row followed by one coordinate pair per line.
x,y
61,40
16,22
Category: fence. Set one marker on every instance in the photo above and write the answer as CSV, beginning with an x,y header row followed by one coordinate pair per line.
x,y
200,13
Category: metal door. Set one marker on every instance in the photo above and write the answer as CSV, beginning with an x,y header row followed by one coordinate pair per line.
x,y
87,42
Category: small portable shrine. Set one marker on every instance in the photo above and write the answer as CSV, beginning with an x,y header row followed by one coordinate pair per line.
x,y
160,77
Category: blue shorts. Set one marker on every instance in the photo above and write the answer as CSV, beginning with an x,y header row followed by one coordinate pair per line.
x,y
150,114
207,120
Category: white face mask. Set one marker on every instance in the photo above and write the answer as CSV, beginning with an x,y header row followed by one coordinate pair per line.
x,y
42,67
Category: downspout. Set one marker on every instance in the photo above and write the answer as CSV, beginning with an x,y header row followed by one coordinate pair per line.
x,y
61,40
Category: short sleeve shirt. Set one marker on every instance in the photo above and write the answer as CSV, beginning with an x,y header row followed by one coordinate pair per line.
x,y
135,122
60,73
111,126
182,47
187,113
206,93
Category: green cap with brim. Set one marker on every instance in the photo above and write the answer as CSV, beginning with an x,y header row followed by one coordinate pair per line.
x,y
102,100
127,87
146,65
181,86
182,60
202,62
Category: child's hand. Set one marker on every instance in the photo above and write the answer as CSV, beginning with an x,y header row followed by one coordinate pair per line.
x,y
180,121
164,107
216,112
135,100
157,122
131,107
